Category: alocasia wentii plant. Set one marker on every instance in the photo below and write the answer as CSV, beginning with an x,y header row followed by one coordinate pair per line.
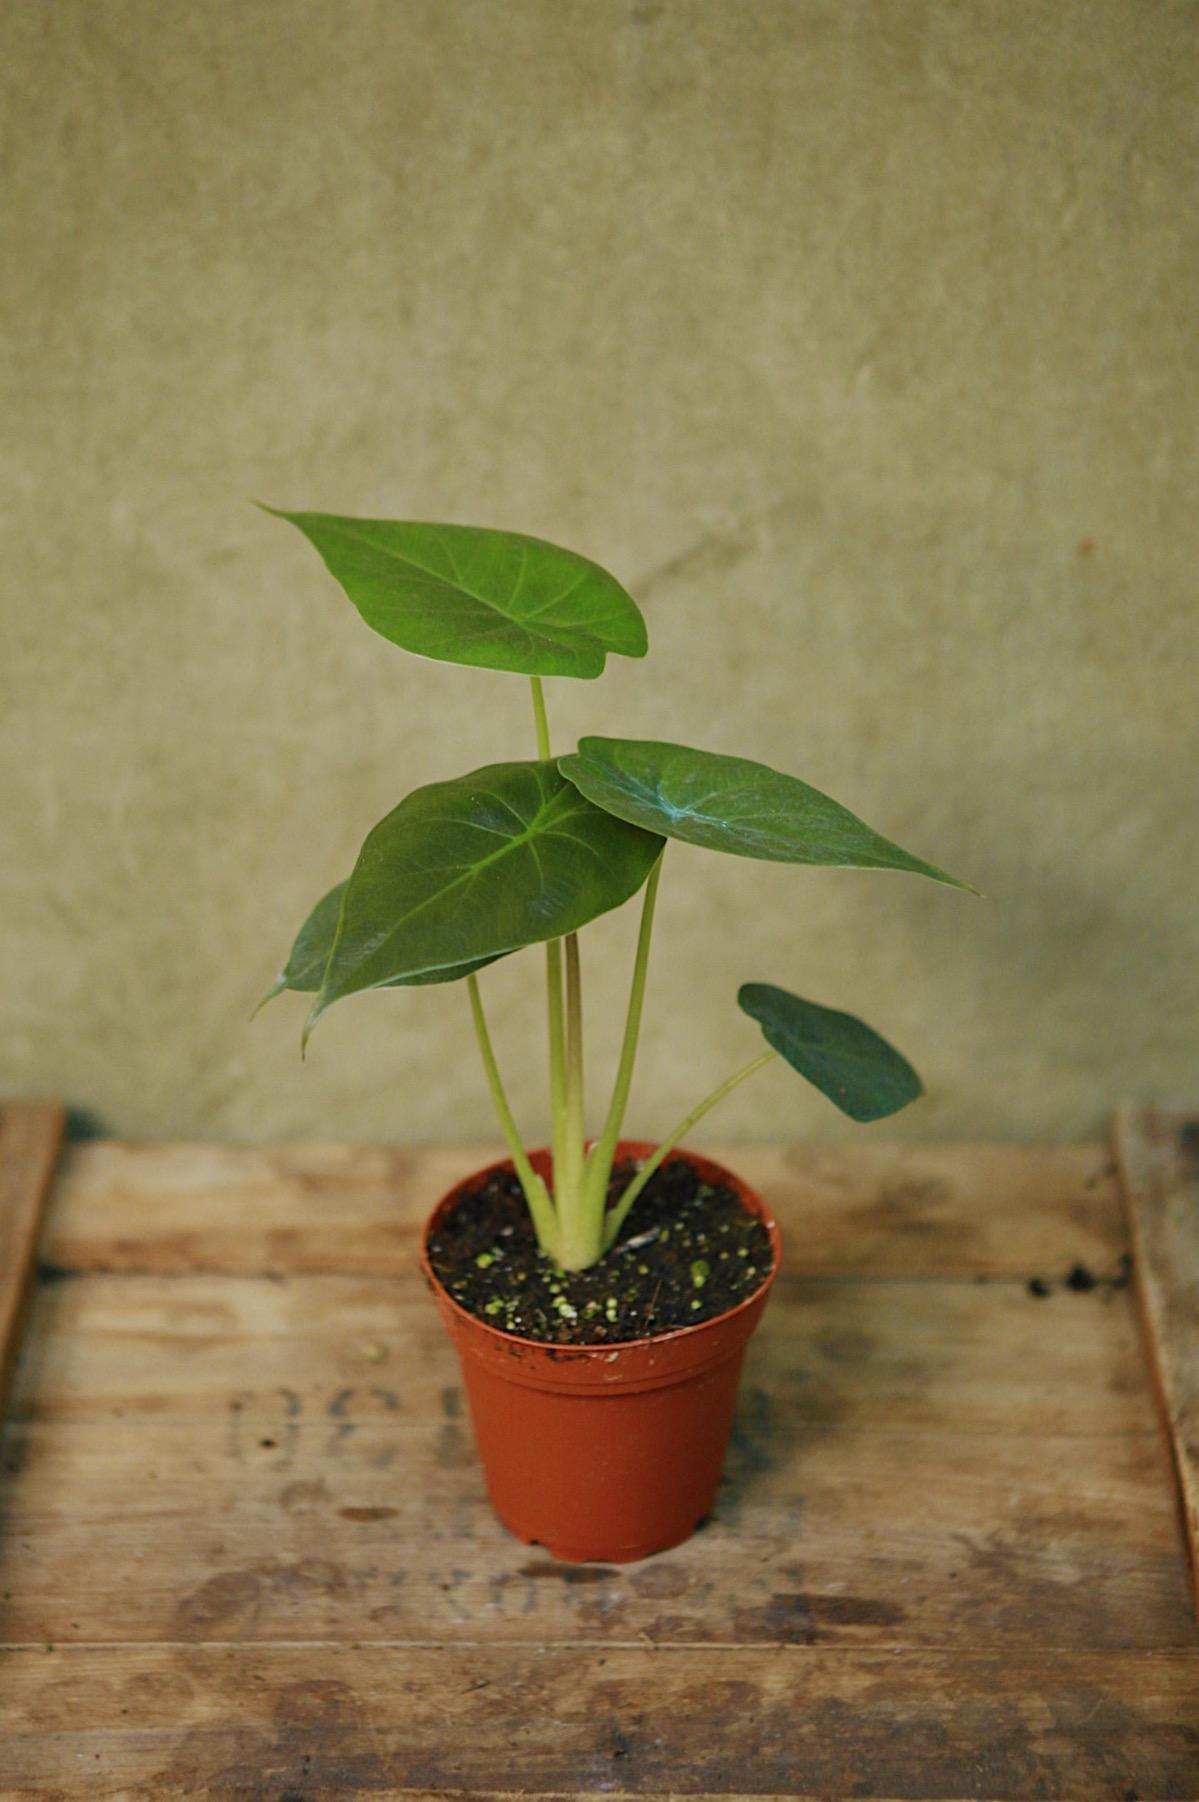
x,y
523,853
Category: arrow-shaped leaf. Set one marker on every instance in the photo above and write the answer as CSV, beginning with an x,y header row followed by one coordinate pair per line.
x,y
305,967
845,1059
464,871
731,804
463,594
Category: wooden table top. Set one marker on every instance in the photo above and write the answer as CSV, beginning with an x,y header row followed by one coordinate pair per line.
x,y
245,1549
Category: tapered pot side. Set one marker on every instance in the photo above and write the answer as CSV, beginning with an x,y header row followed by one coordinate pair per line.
x,y
606,1452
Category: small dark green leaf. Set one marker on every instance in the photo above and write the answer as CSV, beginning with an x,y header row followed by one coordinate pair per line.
x,y
305,968
845,1059
467,870
462,594
730,804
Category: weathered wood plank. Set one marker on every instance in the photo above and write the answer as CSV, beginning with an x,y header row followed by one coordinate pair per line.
x,y
242,1508
30,1132
912,1464
863,1210
1158,1152
982,1357
886,1539
355,1721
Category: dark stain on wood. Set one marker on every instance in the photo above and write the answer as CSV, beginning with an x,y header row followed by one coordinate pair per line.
x,y
845,1345
752,1449
919,1207
572,1576
48,1273
662,1582
301,1495
231,1596
235,1596
799,1619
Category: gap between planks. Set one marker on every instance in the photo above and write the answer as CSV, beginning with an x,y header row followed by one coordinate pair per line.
x,y
500,1649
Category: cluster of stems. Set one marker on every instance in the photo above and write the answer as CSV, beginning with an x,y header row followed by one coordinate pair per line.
x,y
574,1224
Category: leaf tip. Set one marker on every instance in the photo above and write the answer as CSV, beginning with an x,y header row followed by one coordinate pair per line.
x,y
274,512
277,987
314,1014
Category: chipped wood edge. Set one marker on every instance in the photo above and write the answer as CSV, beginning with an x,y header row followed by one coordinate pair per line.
x,y
1159,1178
30,1136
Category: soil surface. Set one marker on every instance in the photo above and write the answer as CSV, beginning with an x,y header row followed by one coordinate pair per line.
x,y
687,1251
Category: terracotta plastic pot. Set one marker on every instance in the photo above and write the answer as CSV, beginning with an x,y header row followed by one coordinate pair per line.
x,y
606,1452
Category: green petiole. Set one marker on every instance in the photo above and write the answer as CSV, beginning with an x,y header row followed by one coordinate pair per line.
x,y
574,1226
541,1207
616,1217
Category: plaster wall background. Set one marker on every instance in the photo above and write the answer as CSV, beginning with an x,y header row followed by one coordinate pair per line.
x,y
858,338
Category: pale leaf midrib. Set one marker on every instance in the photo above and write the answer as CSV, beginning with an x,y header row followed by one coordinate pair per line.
x,y
535,828
408,562
865,849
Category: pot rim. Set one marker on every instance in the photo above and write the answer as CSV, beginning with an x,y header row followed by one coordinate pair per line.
x,y
640,1148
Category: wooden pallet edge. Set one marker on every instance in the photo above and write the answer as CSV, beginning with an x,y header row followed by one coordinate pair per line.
x,y
1157,1156
30,1137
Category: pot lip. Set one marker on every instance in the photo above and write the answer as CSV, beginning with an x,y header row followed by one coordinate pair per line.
x,y
605,1351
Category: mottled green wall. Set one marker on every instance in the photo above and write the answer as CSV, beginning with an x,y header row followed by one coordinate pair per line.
x,y
857,336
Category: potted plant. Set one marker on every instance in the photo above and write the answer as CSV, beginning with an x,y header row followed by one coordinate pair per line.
x,y
600,1292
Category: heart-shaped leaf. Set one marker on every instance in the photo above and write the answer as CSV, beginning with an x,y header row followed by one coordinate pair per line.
x,y
730,804
845,1059
304,970
462,594
464,871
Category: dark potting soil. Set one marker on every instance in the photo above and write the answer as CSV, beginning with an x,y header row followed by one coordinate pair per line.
x,y
687,1251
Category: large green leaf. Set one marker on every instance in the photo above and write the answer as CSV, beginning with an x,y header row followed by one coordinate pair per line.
x,y
304,970
464,871
845,1059
730,804
461,594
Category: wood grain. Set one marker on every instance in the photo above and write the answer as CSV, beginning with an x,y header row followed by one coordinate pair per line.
x,y
863,1210
900,1469
247,1723
1158,1152
246,1550
30,1132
